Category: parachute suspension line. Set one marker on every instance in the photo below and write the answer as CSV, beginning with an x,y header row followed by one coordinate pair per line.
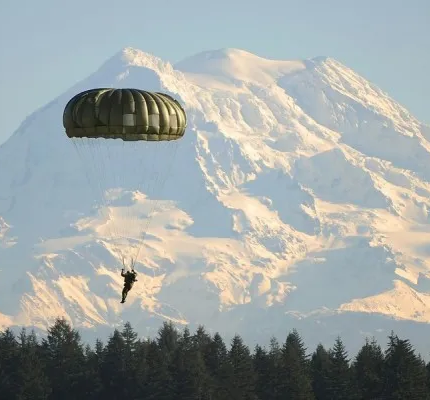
x,y
94,147
113,167
121,168
146,168
125,169
81,157
112,174
88,151
83,166
154,203
80,148
99,115
104,165
124,264
149,220
113,156
148,175
148,182
101,160
120,164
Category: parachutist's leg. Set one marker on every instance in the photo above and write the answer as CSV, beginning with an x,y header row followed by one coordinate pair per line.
x,y
125,291
124,294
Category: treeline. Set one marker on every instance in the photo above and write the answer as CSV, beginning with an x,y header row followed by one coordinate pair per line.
x,y
183,365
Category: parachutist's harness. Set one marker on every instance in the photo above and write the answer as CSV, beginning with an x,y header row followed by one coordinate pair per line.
x,y
129,277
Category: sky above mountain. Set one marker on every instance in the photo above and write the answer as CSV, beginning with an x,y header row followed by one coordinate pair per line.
x,y
47,46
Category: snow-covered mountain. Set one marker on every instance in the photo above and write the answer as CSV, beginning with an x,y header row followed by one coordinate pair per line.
x,y
298,198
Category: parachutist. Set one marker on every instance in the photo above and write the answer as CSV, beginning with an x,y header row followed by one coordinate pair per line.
x,y
144,121
129,279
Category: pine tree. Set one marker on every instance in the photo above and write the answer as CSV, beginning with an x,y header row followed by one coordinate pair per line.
x,y
142,369
180,365
405,374
275,379
113,367
160,383
189,371
262,368
368,370
296,381
340,382
428,377
243,375
64,355
167,338
182,382
219,368
321,366
129,337
33,382
202,339
160,362
93,380
9,364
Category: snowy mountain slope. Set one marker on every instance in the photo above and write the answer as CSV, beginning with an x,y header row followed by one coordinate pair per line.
x,y
298,196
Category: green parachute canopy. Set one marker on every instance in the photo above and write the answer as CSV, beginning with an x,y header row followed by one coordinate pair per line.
x,y
127,114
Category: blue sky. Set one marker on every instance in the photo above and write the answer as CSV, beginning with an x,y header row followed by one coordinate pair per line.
x,y
46,46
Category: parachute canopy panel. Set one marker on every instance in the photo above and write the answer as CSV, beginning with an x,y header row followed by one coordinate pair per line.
x,y
127,114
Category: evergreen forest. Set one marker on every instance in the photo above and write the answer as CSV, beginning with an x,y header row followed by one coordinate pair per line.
x,y
179,364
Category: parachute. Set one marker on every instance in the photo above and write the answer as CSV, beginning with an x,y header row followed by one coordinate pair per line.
x,y
127,114
147,127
